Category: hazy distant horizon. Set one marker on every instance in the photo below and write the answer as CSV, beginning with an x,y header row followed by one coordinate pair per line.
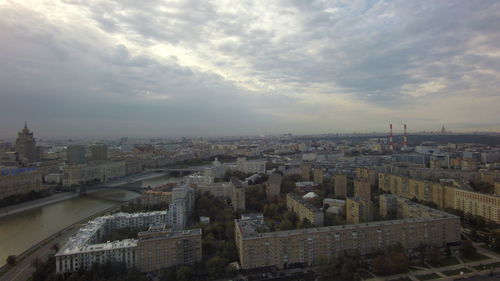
x,y
110,68
396,132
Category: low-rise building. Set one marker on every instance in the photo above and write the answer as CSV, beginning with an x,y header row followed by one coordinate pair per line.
x,y
305,186
334,206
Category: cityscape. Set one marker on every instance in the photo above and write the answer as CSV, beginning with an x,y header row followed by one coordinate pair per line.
x,y
249,140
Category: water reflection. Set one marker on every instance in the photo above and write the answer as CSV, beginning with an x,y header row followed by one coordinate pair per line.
x,y
20,231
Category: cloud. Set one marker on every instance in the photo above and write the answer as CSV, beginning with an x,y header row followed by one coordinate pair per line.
x,y
224,67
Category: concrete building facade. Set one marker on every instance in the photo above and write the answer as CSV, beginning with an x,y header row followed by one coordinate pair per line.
x,y
75,154
20,183
362,189
340,185
273,186
358,210
443,195
261,249
304,209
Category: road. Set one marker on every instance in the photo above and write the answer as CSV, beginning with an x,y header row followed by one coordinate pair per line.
x,y
23,270
10,210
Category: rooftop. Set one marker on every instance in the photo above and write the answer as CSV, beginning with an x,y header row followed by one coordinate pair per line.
x,y
304,202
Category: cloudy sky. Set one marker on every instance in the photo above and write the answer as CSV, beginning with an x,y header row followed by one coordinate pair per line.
x,y
204,68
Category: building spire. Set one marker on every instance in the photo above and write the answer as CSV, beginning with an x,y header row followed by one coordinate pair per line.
x,y
25,125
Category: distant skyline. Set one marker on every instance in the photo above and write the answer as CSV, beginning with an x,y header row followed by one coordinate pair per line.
x,y
112,68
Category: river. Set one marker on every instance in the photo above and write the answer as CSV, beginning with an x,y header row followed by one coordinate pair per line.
x,y
18,232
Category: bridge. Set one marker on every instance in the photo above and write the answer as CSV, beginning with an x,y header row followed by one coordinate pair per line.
x,y
181,171
85,189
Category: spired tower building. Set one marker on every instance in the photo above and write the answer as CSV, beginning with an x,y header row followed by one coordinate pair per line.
x,y
25,144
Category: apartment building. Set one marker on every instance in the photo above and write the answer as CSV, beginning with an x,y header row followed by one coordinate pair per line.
x,y
318,176
367,174
250,167
101,171
172,245
197,179
160,247
440,194
444,195
155,198
237,194
362,189
273,186
358,210
305,171
257,248
19,183
340,185
478,204
304,209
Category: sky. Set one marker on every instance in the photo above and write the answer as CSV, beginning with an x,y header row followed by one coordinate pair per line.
x,y
111,68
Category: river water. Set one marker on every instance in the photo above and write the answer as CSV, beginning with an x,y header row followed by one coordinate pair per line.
x,y
18,232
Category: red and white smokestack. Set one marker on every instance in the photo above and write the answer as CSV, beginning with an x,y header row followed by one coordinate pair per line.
x,y
405,138
391,146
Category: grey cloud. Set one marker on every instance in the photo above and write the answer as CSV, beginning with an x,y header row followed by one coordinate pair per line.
x,y
369,49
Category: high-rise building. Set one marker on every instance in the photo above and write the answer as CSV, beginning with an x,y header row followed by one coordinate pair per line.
x,y
237,194
99,152
367,174
340,183
273,186
318,175
358,210
306,171
75,154
362,189
25,144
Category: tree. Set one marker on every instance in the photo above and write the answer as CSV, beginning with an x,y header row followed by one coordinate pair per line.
x,y
167,274
11,260
55,247
215,267
379,265
184,273
305,223
400,262
286,225
467,249
36,262
495,240
348,269
433,256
